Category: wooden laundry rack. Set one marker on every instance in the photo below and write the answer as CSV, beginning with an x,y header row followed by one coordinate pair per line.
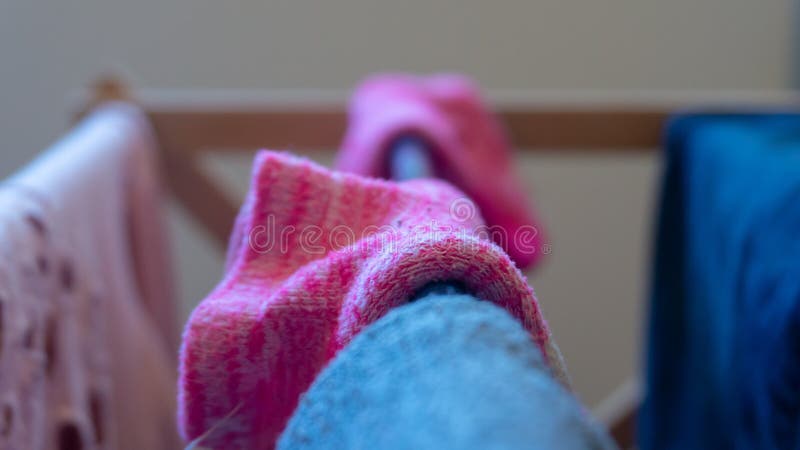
x,y
190,124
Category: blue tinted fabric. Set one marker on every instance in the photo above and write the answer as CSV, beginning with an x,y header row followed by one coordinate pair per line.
x,y
723,366
447,372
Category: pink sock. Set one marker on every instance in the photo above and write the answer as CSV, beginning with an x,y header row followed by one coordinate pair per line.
x,y
470,149
315,257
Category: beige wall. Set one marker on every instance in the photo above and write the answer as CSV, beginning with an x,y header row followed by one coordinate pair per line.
x,y
598,209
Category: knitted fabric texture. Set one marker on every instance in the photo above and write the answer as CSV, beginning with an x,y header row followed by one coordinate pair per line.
x,y
317,256
444,372
724,353
470,149
87,359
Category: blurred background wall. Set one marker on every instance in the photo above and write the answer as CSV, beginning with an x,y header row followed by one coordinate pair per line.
x,y
598,210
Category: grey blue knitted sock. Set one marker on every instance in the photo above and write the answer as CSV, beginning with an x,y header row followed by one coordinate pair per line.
x,y
443,372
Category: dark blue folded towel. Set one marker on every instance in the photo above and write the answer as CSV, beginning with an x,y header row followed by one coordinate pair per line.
x,y
723,367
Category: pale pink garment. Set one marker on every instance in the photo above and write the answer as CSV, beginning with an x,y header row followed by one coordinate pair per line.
x,y
315,257
470,149
87,359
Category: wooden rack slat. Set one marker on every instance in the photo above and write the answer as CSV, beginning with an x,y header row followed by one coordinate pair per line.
x,y
583,123
197,131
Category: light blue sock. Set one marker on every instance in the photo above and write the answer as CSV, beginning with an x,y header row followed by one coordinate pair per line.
x,y
443,372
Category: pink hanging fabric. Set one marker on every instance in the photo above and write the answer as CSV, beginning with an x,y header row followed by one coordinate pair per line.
x,y
470,149
87,318
315,257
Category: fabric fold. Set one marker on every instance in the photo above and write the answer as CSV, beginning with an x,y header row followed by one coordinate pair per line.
x,y
87,356
723,361
315,257
469,149
444,372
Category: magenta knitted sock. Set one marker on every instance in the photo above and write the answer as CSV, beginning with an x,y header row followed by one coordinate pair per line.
x,y
315,257
468,146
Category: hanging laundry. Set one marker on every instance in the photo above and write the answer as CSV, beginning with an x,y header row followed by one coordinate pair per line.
x,y
448,371
723,366
468,146
87,322
315,257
